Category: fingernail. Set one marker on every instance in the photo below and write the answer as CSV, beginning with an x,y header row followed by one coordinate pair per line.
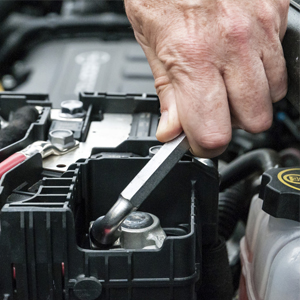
x,y
163,122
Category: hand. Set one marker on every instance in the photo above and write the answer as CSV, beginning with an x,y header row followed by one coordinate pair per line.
x,y
216,64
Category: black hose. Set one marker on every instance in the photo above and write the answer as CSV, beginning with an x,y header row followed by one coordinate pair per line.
x,y
231,204
290,157
48,27
216,282
18,126
247,164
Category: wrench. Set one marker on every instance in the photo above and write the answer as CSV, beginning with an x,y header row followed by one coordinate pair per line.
x,y
104,231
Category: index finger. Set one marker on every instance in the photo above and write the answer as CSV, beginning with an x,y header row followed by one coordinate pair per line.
x,y
203,110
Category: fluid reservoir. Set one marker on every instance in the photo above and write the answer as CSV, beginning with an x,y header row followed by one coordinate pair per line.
x,y
270,250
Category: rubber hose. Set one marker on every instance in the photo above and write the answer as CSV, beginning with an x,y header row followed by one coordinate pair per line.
x,y
17,128
255,161
30,30
216,282
230,208
290,157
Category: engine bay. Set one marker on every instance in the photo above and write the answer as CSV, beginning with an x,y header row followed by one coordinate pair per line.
x,y
79,116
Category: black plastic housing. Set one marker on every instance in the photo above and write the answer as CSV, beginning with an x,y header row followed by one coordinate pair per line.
x,y
45,217
44,246
38,130
96,105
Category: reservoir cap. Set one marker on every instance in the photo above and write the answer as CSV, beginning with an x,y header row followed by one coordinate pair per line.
x,y
280,191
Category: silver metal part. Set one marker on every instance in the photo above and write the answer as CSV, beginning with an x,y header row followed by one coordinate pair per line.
x,y
46,149
153,150
205,161
105,231
62,138
39,109
137,220
155,170
110,132
135,236
72,109
56,115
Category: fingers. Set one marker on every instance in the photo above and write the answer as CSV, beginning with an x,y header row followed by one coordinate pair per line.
x,y
196,103
275,69
219,80
203,110
272,28
248,93
283,8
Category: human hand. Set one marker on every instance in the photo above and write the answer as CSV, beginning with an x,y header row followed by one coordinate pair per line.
x,y
216,64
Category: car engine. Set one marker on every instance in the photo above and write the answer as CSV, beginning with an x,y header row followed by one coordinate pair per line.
x,y
79,115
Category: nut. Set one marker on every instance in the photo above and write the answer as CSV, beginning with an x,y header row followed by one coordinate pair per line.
x,y
62,139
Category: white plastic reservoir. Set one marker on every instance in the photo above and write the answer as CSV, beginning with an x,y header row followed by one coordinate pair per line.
x,y
270,250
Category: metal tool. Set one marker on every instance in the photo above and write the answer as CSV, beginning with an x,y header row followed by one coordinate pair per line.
x,y
104,231
45,148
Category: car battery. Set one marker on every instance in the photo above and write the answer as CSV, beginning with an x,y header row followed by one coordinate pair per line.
x,y
46,252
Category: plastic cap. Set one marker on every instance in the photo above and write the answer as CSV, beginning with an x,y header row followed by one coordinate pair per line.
x,y
280,191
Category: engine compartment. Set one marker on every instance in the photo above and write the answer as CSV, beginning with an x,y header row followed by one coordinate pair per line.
x,y
57,51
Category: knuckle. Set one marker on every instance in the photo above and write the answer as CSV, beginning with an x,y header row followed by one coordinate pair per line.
x,y
238,30
265,14
269,20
